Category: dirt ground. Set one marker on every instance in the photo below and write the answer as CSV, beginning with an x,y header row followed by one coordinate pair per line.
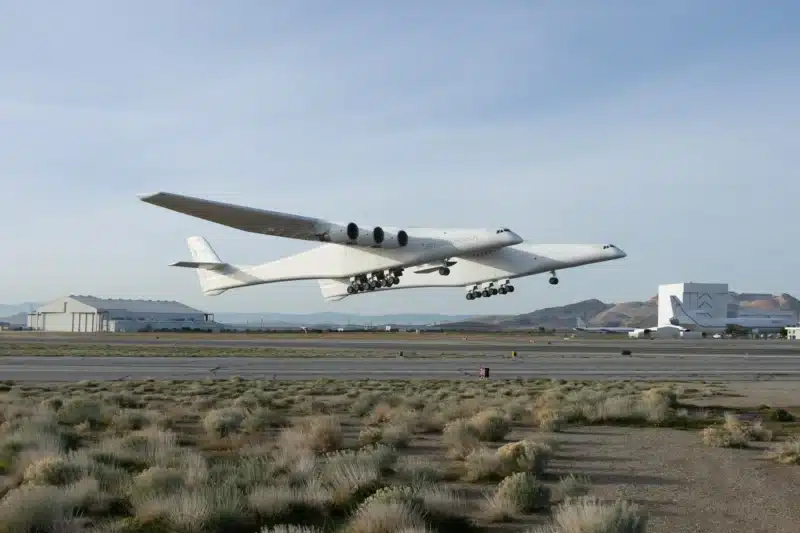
x,y
687,486
684,485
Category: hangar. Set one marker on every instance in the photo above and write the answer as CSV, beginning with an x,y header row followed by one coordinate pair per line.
x,y
78,313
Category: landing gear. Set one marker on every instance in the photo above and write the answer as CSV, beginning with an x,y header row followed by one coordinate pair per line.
x,y
487,290
375,280
553,278
444,271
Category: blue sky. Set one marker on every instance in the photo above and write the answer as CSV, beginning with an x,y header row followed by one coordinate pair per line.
x,y
667,128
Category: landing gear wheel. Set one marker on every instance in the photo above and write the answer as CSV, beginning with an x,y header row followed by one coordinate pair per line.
x,y
470,296
502,290
477,294
351,289
486,293
510,288
493,291
383,283
554,281
444,271
371,285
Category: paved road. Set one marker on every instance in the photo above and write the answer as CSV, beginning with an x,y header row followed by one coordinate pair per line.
x,y
666,366
579,345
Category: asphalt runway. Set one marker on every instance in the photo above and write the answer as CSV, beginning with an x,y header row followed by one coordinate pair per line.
x,y
664,367
580,345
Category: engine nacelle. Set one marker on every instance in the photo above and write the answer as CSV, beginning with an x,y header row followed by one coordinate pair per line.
x,y
348,234
392,239
374,237
377,237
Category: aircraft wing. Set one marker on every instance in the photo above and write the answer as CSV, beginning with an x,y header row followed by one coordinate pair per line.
x,y
242,218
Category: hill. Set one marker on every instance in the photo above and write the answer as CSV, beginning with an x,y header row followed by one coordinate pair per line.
x,y
627,314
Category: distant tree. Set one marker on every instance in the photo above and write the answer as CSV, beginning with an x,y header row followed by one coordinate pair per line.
x,y
736,330
784,333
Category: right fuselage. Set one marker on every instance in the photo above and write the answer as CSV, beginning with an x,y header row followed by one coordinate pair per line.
x,y
513,262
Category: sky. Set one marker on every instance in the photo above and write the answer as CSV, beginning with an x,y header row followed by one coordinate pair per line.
x,y
669,128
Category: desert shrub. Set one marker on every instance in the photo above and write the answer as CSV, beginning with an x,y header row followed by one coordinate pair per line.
x,y
786,452
590,515
518,493
780,415
571,486
460,438
490,425
223,422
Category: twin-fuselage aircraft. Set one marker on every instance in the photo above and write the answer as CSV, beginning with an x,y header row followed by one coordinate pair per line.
x,y
355,259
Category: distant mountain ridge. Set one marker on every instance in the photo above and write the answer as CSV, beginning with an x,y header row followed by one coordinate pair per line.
x,y
593,311
17,314
628,314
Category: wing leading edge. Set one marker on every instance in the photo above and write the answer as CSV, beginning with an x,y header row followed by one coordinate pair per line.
x,y
243,218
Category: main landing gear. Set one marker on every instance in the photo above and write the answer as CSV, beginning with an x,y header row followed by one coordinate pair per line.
x,y
375,280
487,290
553,278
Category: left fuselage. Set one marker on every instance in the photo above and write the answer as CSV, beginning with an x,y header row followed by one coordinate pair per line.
x,y
332,261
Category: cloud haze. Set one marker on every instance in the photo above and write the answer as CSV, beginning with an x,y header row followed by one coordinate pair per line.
x,y
667,128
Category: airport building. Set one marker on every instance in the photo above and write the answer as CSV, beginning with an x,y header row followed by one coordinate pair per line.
x,y
793,333
708,307
76,313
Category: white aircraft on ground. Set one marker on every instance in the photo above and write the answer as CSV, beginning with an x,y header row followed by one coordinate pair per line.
x,y
600,329
355,259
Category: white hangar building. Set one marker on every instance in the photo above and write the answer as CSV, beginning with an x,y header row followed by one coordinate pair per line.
x,y
76,313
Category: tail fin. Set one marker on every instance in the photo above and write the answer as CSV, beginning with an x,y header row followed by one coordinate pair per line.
x,y
206,261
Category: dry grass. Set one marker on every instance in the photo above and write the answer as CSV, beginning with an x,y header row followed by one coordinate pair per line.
x,y
787,452
294,457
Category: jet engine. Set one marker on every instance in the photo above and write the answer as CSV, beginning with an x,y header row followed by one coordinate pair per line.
x,y
348,234
372,238
392,239
376,238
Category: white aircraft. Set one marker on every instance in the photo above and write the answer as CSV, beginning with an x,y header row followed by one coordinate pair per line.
x,y
355,259
600,329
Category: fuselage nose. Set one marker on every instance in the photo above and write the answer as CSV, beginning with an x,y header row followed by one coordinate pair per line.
x,y
514,238
614,251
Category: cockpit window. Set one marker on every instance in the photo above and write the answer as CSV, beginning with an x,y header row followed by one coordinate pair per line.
x,y
607,246
503,230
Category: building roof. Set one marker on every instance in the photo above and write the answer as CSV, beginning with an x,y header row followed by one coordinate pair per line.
x,y
135,306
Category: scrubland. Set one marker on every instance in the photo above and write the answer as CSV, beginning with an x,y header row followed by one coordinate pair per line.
x,y
381,456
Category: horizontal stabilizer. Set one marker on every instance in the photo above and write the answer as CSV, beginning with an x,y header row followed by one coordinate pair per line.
x,y
200,264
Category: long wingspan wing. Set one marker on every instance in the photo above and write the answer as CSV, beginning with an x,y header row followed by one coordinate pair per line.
x,y
242,218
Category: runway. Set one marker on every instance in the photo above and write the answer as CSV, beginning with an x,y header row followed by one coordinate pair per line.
x,y
445,357
663,367
453,343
